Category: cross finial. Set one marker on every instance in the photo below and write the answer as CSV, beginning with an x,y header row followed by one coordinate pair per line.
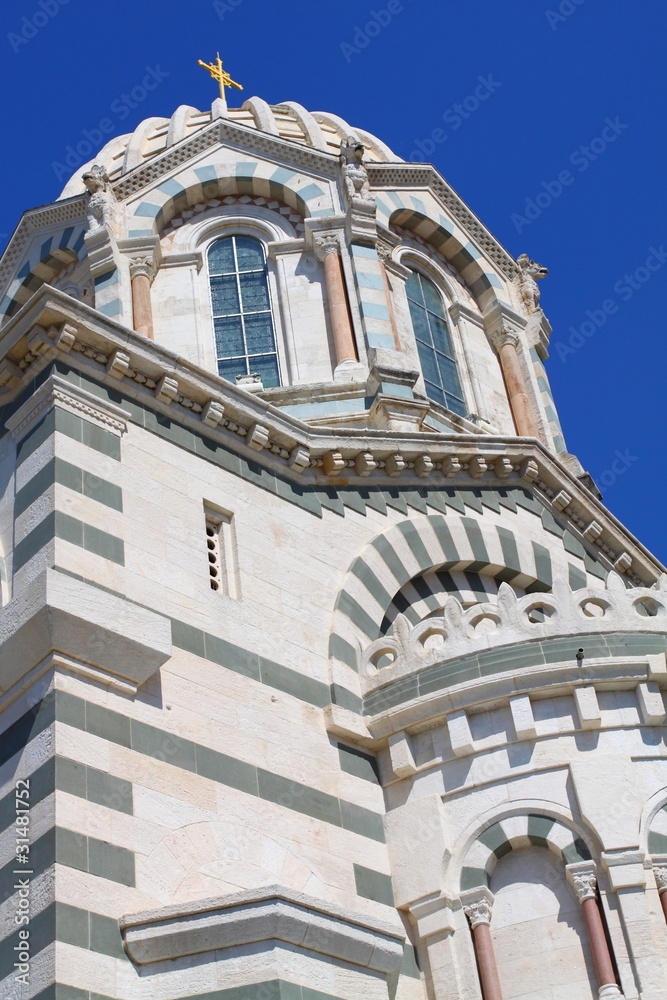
x,y
219,74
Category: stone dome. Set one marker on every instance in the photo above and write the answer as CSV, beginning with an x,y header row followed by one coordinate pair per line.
x,y
289,120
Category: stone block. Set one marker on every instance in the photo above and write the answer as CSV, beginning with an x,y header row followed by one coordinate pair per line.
x,y
522,717
651,703
417,843
459,733
260,918
400,753
610,798
588,709
58,612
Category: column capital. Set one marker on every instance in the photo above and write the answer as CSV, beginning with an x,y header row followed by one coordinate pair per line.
x,y
143,264
326,243
477,906
583,879
660,872
503,335
478,913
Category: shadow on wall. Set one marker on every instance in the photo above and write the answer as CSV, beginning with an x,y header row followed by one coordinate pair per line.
x,y
539,935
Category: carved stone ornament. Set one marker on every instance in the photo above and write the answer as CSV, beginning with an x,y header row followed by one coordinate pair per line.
x,y
478,913
325,244
661,878
504,335
384,251
355,175
144,264
526,280
100,210
585,885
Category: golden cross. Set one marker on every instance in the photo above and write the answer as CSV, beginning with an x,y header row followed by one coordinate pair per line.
x,y
219,74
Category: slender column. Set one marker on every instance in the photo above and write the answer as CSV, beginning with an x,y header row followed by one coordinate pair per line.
x,y
584,883
141,272
327,248
661,880
479,916
505,342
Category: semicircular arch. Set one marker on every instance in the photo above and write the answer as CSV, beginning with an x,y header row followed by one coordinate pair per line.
x,y
415,215
44,262
197,185
517,832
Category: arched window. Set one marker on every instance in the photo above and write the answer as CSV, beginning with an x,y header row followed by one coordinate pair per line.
x,y
244,336
434,343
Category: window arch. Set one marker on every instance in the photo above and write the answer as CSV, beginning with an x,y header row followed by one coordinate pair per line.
x,y
245,339
434,343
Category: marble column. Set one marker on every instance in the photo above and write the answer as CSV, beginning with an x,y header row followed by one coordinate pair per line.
x,y
478,913
584,882
506,342
327,248
660,872
142,270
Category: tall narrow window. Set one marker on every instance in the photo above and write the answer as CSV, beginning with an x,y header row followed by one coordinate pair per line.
x,y
434,343
244,336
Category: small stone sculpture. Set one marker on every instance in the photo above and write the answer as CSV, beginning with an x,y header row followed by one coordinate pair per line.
x,y
100,202
357,185
529,274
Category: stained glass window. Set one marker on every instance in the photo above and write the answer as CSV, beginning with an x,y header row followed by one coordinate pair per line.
x,y
244,337
429,322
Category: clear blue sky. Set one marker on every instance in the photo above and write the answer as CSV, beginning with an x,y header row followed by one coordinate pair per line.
x,y
555,74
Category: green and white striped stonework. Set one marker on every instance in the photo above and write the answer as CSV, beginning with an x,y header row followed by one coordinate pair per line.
x,y
423,215
405,552
548,401
108,294
257,178
44,261
515,833
373,302
65,501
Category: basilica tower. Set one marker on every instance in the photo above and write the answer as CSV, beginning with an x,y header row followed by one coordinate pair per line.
x,y
325,672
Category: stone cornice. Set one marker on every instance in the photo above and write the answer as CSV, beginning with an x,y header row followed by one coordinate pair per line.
x,y
398,175
492,692
234,134
58,614
261,917
36,219
53,325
